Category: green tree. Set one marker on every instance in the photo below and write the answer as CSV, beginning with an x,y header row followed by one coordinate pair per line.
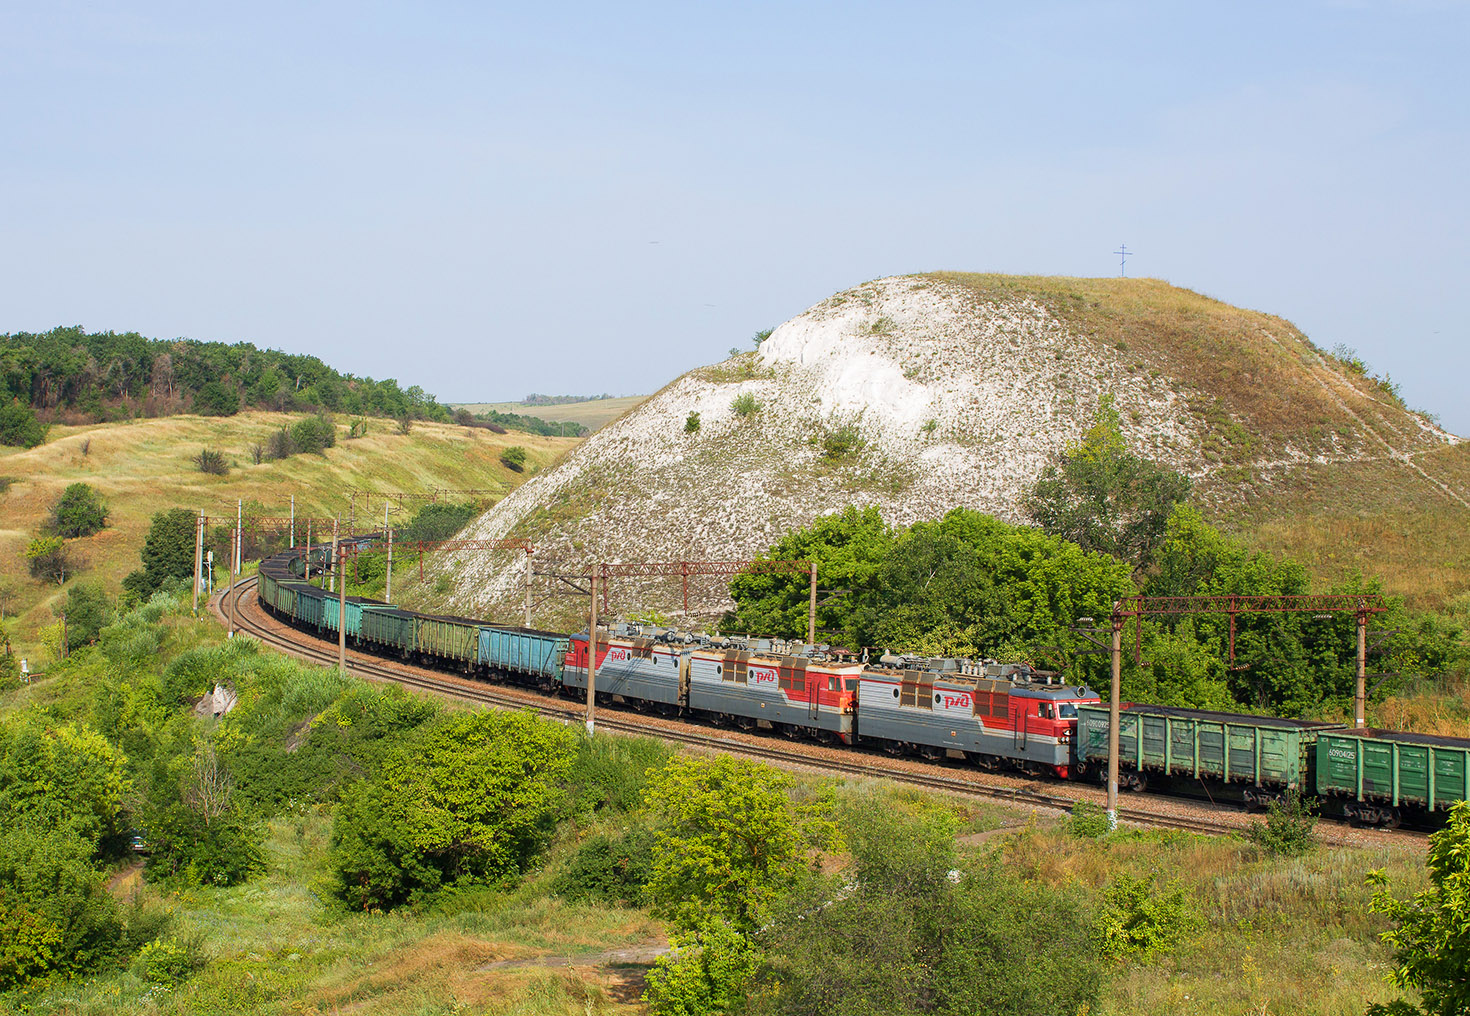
x,y
168,552
849,548
1431,933
80,511
19,427
707,973
87,611
196,831
54,776
440,520
47,559
468,800
729,840
215,398
513,458
1103,498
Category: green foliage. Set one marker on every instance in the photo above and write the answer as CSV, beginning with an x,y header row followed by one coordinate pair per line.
x,y
708,973
1103,498
1139,915
56,915
1431,933
62,777
216,399
745,405
499,423
87,611
761,336
19,427
111,375
440,520
1088,821
513,458
167,961
80,511
168,552
730,840
212,462
842,443
313,435
609,869
691,423
468,800
885,941
1289,829
196,831
611,773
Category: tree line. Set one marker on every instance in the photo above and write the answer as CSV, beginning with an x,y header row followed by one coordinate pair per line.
x,y
99,376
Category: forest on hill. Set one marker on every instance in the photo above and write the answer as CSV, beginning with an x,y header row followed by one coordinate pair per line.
x,y
74,376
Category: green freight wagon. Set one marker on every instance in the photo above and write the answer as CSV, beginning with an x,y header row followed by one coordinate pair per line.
x,y
354,614
309,605
1261,755
388,627
1380,774
449,638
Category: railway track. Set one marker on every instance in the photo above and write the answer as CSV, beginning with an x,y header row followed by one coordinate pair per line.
x,y
252,620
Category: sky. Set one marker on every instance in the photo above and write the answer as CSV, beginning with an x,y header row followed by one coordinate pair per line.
x,y
490,199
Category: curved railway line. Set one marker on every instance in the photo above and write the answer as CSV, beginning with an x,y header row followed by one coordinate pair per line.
x,y
1161,813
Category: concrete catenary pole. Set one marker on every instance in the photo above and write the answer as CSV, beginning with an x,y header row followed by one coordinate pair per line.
x,y
293,522
388,578
811,609
1113,718
1360,697
230,590
342,622
527,621
592,658
198,558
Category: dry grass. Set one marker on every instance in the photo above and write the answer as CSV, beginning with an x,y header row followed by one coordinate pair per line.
x,y
592,414
145,467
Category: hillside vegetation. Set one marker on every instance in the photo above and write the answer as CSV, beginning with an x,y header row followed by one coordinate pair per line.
x,y
591,413
921,394
147,466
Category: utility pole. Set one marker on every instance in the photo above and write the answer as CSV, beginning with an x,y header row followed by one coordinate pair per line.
x,y
198,558
341,609
592,657
1113,718
229,591
388,581
293,522
1360,699
527,621
811,610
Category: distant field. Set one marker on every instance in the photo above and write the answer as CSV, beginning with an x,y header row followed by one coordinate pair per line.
x,y
592,414
145,467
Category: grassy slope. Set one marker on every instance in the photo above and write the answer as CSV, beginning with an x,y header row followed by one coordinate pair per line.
x,y
591,414
144,467
1263,387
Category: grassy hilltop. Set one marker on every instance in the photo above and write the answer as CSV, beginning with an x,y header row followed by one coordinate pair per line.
x,y
146,466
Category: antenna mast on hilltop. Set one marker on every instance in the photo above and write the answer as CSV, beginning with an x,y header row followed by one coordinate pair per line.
x,y
1123,253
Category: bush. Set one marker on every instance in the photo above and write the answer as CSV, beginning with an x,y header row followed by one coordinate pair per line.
x,y
19,427
47,559
708,973
87,611
1088,820
167,961
438,521
610,773
168,552
213,462
80,511
513,458
279,445
608,870
842,443
1140,916
745,405
1290,828
217,399
691,423
315,435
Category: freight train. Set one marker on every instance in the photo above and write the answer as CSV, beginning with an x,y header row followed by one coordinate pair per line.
x,y
995,716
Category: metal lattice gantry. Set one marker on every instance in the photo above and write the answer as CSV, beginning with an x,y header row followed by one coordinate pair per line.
x,y
1361,605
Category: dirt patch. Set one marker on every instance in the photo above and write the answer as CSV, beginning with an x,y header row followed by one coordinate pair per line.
x,y
642,954
126,881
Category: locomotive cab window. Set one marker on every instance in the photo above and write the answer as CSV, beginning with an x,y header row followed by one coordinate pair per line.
x,y
1069,710
1044,709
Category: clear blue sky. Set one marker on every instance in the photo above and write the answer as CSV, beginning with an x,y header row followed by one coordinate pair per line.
x,y
467,196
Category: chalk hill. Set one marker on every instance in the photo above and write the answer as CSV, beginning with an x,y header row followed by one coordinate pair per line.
x,y
929,392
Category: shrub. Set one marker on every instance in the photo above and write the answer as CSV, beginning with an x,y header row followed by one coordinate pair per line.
x,y
279,445
691,423
745,405
257,454
707,973
19,426
87,612
217,399
357,429
438,521
86,446
213,462
167,961
315,435
1088,821
168,552
1140,916
513,458
608,870
80,511
47,559
610,773
405,424
1290,826
841,443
